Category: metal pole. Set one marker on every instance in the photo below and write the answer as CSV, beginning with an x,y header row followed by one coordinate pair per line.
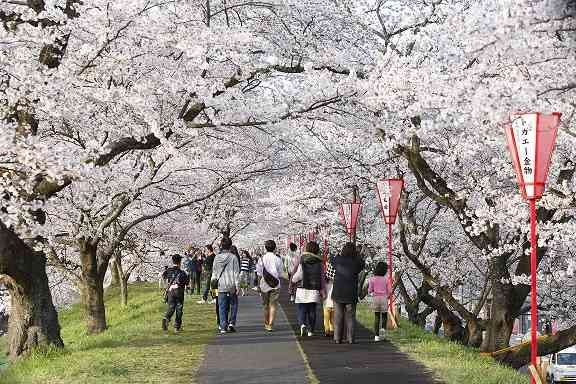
x,y
354,200
390,269
533,292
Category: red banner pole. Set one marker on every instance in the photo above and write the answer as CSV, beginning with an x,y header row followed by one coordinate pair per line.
x,y
533,292
390,269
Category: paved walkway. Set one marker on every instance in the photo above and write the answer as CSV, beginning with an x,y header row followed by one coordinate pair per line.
x,y
254,356
365,362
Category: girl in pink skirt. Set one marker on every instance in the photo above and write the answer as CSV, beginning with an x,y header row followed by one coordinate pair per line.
x,y
379,288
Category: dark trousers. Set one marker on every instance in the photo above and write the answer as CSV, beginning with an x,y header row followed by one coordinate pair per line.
x,y
198,281
307,315
228,307
344,321
380,319
207,289
195,282
175,304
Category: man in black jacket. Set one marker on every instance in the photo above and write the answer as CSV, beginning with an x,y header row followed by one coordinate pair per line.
x,y
208,264
176,280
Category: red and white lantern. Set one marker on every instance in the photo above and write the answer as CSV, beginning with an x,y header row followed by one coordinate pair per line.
x,y
389,191
349,214
531,140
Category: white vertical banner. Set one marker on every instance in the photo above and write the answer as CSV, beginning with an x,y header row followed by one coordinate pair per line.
x,y
383,187
347,210
524,129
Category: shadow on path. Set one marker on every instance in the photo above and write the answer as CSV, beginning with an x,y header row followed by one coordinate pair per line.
x,y
366,362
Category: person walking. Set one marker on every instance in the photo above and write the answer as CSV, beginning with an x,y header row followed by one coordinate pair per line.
x,y
244,272
190,267
379,288
292,262
198,261
269,270
348,266
208,264
225,276
309,291
174,295
328,303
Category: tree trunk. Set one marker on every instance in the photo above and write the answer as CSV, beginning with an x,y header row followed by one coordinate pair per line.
x,y
519,355
474,334
92,288
453,329
124,291
501,323
115,275
33,320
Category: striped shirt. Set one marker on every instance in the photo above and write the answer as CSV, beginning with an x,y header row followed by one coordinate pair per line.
x,y
245,265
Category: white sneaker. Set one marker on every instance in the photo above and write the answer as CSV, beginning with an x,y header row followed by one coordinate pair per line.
x,y
382,333
302,330
376,338
201,302
211,301
310,334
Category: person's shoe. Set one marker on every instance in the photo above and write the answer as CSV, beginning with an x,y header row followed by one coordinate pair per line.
x,y
376,338
231,329
201,302
337,341
211,301
177,330
164,324
382,333
310,334
351,342
222,331
302,330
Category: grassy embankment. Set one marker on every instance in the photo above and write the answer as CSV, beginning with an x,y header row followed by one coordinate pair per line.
x,y
450,363
133,350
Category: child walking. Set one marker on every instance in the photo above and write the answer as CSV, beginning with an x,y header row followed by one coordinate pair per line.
x,y
379,288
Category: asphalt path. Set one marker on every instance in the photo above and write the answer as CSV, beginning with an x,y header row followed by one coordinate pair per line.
x,y
252,355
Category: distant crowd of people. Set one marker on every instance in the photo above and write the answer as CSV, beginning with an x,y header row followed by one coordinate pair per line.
x,y
313,280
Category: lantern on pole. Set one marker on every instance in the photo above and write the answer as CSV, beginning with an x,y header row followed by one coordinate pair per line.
x,y
389,191
349,214
531,139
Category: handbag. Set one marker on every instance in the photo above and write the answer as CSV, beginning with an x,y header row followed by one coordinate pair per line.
x,y
269,278
214,283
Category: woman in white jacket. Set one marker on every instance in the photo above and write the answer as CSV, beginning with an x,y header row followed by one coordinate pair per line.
x,y
310,290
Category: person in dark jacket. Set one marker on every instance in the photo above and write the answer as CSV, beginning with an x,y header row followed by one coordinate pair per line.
x,y
347,266
310,287
176,280
198,262
208,263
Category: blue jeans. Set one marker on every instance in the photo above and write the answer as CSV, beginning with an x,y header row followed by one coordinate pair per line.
x,y
227,308
307,315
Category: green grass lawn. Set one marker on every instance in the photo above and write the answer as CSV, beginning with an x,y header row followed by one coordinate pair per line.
x,y
133,350
450,362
